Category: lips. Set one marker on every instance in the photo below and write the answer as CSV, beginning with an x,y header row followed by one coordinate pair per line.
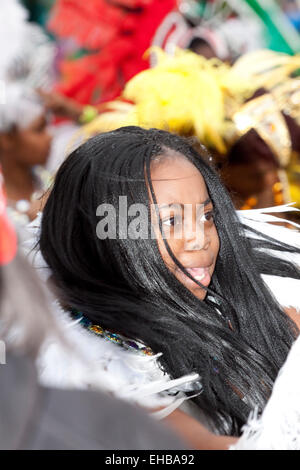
x,y
200,274
197,273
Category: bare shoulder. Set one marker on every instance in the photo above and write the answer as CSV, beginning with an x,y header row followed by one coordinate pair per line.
x,y
294,314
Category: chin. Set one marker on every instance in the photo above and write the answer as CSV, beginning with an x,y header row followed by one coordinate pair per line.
x,y
42,161
199,293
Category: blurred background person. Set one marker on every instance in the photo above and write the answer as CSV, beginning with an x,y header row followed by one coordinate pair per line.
x,y
109,39
24,149
25,142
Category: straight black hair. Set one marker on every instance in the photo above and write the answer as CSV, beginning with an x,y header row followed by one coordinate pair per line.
x,y
236,339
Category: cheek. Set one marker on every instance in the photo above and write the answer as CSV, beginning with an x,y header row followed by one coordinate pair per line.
x,y
215,242
175,247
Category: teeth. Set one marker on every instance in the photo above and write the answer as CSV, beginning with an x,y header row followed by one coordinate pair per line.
x,y
199,278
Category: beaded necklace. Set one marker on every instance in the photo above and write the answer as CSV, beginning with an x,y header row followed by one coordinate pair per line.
x,y
118,339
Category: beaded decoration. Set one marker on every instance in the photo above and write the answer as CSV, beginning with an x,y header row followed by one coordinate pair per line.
x,y
113,337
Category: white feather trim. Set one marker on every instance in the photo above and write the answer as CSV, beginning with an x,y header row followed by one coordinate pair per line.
x,y
259,219
13,17
24,46
86,361
286,290
279,426
26,63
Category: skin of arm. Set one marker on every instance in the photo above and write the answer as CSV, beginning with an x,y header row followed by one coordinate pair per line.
x,y
61,105
294,315
195,435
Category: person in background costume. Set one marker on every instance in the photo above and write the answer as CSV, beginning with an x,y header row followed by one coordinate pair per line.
x,y
25,141
252,171
111,37
246,114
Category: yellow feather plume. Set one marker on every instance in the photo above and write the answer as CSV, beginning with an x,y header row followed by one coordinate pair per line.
x,y
190,95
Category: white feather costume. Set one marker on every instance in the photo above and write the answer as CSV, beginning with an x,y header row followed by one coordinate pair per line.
x,y
89,361
278,428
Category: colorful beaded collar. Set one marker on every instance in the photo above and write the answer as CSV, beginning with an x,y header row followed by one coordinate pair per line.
x,y
113,337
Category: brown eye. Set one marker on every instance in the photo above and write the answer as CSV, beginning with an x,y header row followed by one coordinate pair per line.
x,y
208,216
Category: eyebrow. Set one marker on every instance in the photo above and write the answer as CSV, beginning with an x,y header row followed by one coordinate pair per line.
x,y
204,203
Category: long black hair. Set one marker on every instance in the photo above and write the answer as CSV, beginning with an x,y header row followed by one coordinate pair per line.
x,y
237,338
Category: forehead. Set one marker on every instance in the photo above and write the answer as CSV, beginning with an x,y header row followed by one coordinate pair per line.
x,y
176,180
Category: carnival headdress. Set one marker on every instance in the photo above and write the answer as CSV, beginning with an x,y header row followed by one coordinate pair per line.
x,y
211,100
191,95
26,63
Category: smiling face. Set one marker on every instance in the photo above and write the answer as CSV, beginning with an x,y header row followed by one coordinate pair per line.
x,y
186,214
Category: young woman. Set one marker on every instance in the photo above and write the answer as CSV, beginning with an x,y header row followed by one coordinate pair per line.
x,y
200,299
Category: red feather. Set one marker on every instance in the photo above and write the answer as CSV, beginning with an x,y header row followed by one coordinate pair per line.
x,y
117,32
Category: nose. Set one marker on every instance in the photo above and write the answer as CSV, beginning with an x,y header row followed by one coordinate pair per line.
x,y
195,236
196,244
